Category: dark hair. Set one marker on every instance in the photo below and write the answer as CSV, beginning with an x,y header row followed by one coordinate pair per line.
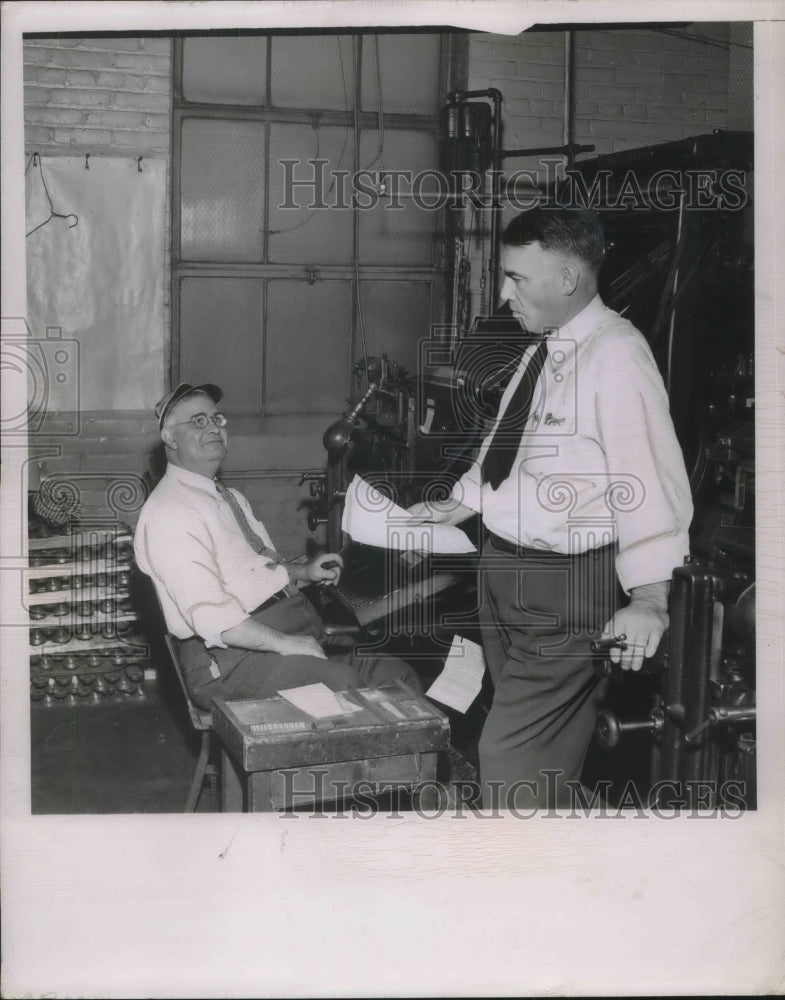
x,y
573,231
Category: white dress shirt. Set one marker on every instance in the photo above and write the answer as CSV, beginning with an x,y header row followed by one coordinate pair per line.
x,y
207,576
599,461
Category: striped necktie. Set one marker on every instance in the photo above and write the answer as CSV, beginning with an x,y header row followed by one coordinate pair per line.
x,y
504,445
249,534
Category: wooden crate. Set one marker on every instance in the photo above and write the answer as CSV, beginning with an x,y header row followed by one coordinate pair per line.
x,y
275,756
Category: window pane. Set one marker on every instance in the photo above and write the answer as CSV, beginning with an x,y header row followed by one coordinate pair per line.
x,y
396,317
312,71
221,338
310,235
222,190
398,235
409,69
308,346
225,70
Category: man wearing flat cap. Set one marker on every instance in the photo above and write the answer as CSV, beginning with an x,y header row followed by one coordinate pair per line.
x,y
229,599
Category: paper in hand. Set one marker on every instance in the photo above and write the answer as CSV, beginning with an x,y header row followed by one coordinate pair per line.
x,y
459,683
372,518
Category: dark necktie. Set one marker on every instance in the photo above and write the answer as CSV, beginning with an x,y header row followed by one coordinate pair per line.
x,y
504,445
250,535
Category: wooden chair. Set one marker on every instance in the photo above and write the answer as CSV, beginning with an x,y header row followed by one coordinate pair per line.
x,y
202,723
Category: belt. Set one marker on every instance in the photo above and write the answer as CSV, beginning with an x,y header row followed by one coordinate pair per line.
x,y
502,545
278,596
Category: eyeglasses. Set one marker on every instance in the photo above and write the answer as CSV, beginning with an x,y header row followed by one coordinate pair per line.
x,y
202,420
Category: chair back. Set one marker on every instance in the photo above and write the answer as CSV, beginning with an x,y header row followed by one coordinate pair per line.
x,y
199,719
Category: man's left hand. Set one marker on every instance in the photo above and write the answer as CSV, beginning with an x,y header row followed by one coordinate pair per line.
x,y
325,569
643,622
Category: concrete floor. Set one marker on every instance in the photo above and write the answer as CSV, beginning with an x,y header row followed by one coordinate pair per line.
x,y
135,755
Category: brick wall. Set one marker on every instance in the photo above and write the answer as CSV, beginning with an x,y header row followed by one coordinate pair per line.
x,y
107,96
631,87
101,95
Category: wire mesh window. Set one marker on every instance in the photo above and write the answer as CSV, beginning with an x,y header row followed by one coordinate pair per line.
x,y
280,280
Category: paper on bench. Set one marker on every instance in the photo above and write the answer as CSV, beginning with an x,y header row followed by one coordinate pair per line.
x,y
372,518
459,683
317,700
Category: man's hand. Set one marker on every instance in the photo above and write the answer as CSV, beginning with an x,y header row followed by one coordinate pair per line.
x,y
299,645
324,569
439,512
643,621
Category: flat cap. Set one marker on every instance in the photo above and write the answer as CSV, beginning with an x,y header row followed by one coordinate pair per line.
x,y
163,406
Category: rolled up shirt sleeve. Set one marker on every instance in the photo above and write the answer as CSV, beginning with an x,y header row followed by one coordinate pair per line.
x,y
649,491
179,554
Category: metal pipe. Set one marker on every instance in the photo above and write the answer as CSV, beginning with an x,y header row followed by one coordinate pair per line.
x,y
496,164
568,88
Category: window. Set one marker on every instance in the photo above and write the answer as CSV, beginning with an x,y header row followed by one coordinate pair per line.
x,y
277,279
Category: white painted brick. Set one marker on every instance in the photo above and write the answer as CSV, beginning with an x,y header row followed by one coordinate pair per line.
x,y
80,78
608,92
36,135
542,72
75,58
157,123
545,108
83,137
64,97
610,111
141,102
114,119
45,77
638,78
494,69
553,89
142,63
670,63
516,108
157,84
521,88
704,99
112,43
594,74
54,116
584,109
135,141
602,59
542,55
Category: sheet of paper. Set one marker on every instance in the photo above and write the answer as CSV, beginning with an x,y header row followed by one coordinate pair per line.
x,y
459,683
317,700
373,519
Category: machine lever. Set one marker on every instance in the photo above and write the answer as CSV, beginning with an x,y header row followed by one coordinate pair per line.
x,y
719,715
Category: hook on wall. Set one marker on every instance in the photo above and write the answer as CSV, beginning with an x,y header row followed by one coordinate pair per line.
x,y
139,164
87,161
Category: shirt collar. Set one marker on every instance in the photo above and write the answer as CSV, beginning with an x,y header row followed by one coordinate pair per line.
x,y
562,342
177,474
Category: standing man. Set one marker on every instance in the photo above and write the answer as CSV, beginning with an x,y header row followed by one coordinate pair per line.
x,y
230,601
581,486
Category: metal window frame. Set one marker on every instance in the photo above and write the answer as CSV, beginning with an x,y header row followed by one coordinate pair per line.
x,y
432,274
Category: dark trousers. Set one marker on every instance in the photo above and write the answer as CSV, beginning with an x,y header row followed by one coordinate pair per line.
x,y
538,614
247,673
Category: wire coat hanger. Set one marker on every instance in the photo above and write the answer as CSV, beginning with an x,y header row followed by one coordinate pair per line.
x,y
35,159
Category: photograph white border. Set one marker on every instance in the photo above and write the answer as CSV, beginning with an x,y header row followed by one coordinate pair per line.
x,y
227,905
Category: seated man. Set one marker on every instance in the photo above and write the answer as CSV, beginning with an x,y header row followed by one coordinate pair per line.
x,y
229,599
